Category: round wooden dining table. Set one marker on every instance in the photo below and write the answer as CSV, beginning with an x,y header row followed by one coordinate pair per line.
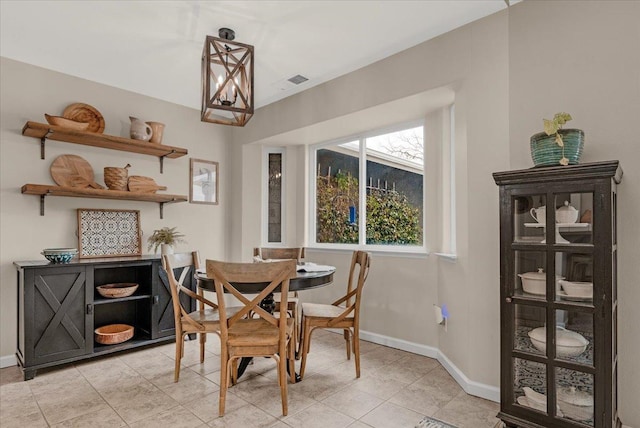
x,y
302,281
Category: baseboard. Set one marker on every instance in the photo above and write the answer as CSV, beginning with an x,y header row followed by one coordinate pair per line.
x,y
8,361
403,345
471,387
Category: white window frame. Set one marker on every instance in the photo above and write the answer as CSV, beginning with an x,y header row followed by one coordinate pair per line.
x,y
265,197
362,245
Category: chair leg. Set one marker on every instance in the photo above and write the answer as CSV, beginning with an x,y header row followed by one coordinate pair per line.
x,y
203,340
305,345
234,371
348,342
356,350
179,341
282,376
224,378
291,359
296,333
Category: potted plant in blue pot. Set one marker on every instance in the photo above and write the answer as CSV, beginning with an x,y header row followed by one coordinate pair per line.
x,y
556,145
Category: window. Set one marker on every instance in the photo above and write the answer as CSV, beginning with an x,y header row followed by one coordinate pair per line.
x,y
274,159
369,190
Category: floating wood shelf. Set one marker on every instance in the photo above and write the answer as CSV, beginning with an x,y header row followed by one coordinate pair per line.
x,y
44,190
44,131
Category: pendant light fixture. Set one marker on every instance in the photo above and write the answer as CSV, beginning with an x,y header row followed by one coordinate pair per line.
x,y
227,80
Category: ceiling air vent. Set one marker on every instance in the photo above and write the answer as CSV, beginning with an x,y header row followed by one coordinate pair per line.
x,y
297,79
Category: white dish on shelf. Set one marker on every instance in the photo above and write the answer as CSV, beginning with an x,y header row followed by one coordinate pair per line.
x,y
568,342
542,407
577,288
565,296
537,401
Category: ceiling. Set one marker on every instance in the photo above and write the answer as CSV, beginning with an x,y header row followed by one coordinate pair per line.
x,y
154,47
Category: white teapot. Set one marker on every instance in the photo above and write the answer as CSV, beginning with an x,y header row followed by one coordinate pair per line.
x,y
566,214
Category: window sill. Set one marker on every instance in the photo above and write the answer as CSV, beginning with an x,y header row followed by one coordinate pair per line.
x,y
408,253
447,256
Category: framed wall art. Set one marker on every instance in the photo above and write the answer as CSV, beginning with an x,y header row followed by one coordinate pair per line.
x,y
203,186
108,233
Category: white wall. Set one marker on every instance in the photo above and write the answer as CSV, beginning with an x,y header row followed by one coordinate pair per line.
x,y
27,92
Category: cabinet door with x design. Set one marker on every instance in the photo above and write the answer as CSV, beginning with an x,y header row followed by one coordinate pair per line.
x,y
59,327
163,320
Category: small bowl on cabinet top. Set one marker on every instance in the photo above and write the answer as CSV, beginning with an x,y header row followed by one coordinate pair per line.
x,y
59,255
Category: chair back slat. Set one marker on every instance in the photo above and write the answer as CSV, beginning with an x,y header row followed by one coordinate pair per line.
x,y
296,253
359,261
224,274
187,262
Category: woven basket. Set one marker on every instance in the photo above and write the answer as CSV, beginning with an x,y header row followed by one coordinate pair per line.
x,y
113,333
121,289
116,178
546,152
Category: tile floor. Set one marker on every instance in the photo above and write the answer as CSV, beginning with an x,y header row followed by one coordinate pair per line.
x,y
136,389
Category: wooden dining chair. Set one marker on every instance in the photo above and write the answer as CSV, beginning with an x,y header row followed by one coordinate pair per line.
x,y
261,336
293,301
344,313
202,321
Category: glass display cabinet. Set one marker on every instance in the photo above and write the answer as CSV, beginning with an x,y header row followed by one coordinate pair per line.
x,y
558,286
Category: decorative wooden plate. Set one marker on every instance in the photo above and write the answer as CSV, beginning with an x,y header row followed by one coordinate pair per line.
x,y
140,184
73,171
85,113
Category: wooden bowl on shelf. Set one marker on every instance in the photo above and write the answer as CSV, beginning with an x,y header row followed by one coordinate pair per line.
x,y
113,334
120,289
63,122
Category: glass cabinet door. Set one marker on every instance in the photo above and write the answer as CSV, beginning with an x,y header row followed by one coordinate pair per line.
x,y
551,284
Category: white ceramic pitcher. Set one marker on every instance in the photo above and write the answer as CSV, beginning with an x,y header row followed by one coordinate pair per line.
x,y
140,130
539,214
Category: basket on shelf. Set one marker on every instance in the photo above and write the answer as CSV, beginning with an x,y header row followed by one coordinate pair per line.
x,y
116,290
116,178
113,333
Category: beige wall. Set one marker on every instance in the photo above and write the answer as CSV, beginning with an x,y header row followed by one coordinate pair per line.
x,y
584,58
508,71
27,93
467,66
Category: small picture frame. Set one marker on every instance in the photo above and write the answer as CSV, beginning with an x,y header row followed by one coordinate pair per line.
x,y
204,183
108,233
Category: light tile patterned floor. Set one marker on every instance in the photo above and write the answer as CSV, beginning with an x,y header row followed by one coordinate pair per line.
x,y
136,389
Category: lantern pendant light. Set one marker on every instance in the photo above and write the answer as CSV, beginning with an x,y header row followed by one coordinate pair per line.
x,y
227,80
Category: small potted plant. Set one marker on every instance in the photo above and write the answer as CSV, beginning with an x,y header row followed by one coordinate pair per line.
x,y
165,238
556,145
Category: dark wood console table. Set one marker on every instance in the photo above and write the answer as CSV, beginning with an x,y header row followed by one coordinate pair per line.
x,y
59,308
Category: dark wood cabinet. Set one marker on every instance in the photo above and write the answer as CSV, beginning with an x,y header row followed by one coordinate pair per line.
x,y
558,287
59,308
